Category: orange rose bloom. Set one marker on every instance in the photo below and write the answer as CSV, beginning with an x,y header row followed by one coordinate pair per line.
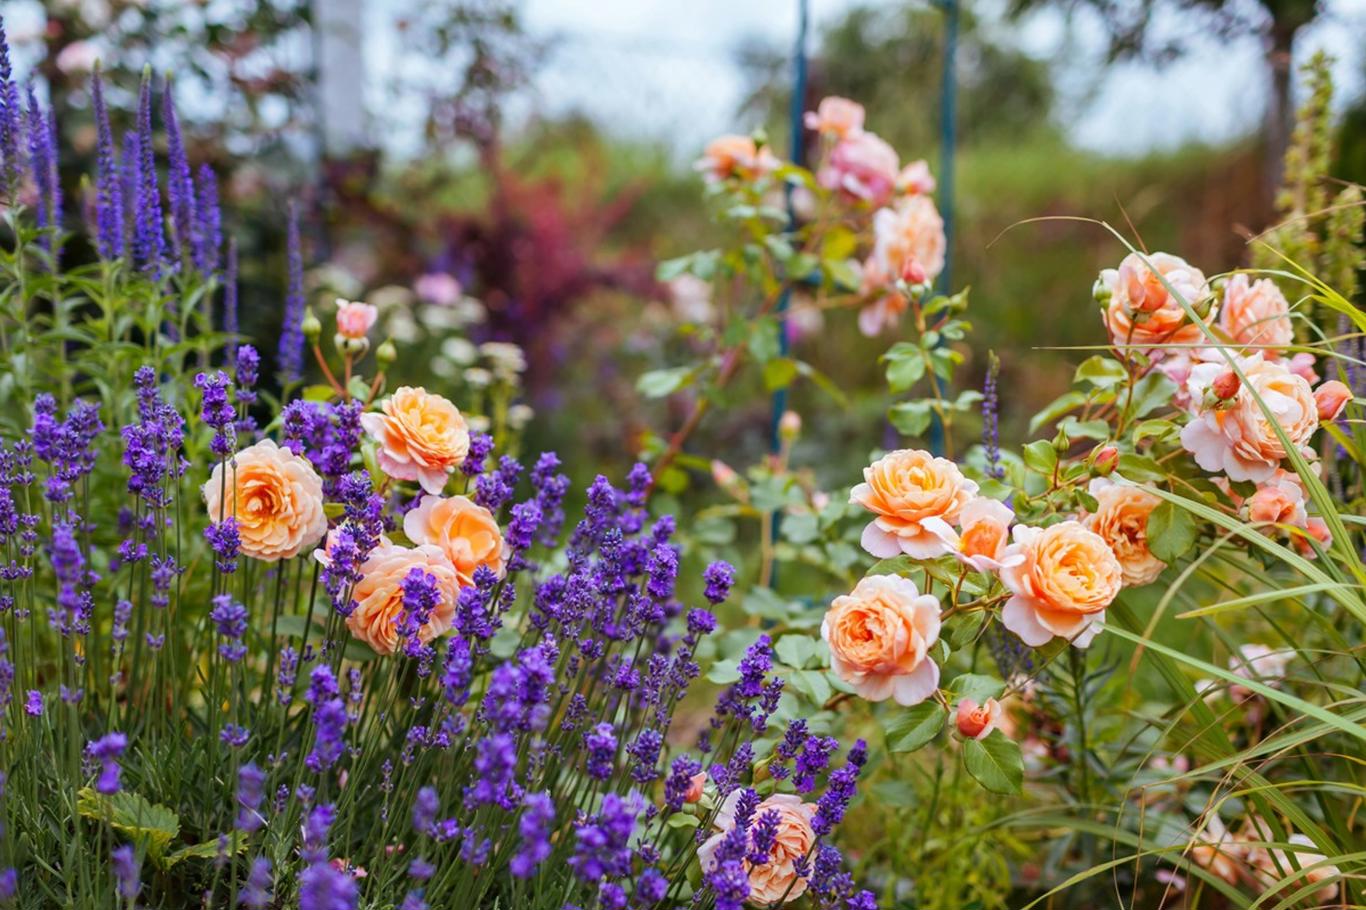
x,y
903,489
735,156
1068,576
378,596
777,879
275,496
880,636
421,437
1123,522
467,533
1256,314
1142,313
1330,398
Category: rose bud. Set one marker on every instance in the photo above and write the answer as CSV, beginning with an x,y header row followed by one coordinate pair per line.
x,y
1225,385
977,721
386,354
912,272
1331,398
1104,459
790,425
695,787
354,320
311,327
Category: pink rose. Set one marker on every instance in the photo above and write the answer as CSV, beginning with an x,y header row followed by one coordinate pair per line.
x,y
696,784
985,534
880,636
887,304
378,597
915,179
1121,518
735,156
1255,314
977,721
1278,501
1302,364
1331,398
910,231
275,496
354,320
1068,576
863,166
835,116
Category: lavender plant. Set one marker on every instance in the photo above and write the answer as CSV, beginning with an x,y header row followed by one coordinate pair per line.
x,y
337,652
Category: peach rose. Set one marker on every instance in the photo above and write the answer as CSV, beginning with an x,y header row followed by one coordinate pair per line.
x,y
910,230
777,879
1217,851
354,320
1122,521
1280,500
1255,314
915,179
1068,576
1302,364
977,721
862,166
835,116
1142,313
880,637
275,496
421,437
903,489
467,533
888,303
696,785
735,156
1234,437
985,534
1274,866
378,596
1330,398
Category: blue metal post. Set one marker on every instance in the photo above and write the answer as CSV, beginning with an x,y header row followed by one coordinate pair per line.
x,y
948,132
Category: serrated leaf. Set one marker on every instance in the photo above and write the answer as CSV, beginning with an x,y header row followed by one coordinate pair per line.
x,y
151,826
909,729
209,849
995,763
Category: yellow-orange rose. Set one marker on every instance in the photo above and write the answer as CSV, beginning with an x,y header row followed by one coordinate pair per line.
x,y
1142,313
880,636
1256,314
776,880
275,496
1068,576
467,533
421,437
903,489
1123,521
735,156
378,596
1235,437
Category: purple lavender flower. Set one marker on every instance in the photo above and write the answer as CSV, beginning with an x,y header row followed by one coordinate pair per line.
x,y
208,230
42,152
679,782
33,703
106,751
231,619
11,127
148,240
329,720
535,826
256,894
179,183
492,491
481,444
813,760
602,843
290,356
991,420
234,735
218,412
322,887
250,792
840,791
127,871
225,542
108,184
425,808
600,746
719,577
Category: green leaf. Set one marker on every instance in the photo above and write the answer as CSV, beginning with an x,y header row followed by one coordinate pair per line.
x,y
1040,456
296,626
779,373
1171,532
724,672
795,650
908,730
977,687
682,820
658,383
904,372
209,849
1140,468
814,684
319,393
1101,371
1151,392
1068,401
152,827
995,762
911,418
764,341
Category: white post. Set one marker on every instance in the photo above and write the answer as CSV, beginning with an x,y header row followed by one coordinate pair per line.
x,y
341,75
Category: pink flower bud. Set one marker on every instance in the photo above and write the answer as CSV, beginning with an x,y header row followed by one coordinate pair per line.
x,y
1225,385
699,780
977,721
1331,398
912,272
354,320
1105,460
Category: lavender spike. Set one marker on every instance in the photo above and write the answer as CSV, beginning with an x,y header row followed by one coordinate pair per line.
x,y
291,350
179,182
108,190
991,422
148,241
11,124
208,235
130,180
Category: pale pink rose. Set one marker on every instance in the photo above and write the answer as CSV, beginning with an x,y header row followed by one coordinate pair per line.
x,y
354,320
863,166
1262,662
1302,364
696,785
1234,437
77,57
1331,398
912,229
977,721
275,496
1122,520
1280,500
691,299
1068,576
1273,866
835,116
1143,314
438,288
778,879
735,156
880,636
377,598
903,489
985,534
421,437
1255,314
466,532
887,304
915,179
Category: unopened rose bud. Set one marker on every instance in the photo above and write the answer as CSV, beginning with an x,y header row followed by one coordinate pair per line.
x,y
695,787
790,426
977,721
1100,291
386,353
1225,385
1331,398
1105,459
355,347
723,474
354,320
912,272
311,327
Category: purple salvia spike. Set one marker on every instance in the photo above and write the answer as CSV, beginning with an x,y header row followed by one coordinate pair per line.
x,y
179,182
230,303
148,240
108,182
130,180
291,350
43,162
11,125
208,234
991,421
